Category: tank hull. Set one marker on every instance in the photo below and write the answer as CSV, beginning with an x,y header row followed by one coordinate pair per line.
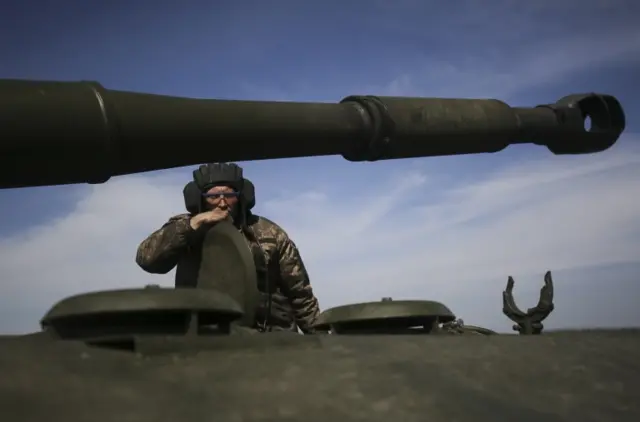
x,y
562,376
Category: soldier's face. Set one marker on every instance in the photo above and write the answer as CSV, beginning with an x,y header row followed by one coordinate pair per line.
x,y
221,197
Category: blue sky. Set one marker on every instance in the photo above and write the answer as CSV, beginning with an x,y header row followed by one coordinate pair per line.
x,y
449,229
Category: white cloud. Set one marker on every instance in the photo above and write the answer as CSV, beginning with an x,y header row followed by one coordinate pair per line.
x,y
504,47
533,45
562,213
539,62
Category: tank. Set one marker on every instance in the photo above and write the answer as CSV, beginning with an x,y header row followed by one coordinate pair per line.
x,y
159,354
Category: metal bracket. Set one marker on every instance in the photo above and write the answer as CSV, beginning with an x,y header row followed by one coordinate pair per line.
x,y
382,128
530,322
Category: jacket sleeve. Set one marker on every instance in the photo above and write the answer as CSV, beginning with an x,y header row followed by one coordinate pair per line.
x,y
296,284
159,253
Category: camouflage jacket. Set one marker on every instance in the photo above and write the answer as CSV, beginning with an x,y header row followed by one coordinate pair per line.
x,y
292,301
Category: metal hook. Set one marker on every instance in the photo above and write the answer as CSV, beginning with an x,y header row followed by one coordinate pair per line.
x,y
529,322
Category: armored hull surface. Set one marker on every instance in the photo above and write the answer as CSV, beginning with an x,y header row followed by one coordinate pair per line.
x,y
564,376
179,354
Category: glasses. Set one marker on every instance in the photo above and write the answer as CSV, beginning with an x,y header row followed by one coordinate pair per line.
x,y
220,195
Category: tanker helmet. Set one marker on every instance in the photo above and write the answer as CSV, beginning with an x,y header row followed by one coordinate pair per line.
x,y
218,174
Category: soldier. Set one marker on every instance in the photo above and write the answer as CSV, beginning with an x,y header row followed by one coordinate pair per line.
x,y
177,244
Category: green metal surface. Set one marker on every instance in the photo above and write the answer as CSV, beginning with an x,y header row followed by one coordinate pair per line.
x,y
413,309
141,300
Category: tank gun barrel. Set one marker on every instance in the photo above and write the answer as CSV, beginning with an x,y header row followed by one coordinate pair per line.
x,y
54,133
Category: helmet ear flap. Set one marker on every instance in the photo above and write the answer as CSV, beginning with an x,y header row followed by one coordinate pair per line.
x,y
248,194
192,198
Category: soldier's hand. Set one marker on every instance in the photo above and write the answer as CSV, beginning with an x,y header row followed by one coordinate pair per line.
x,y
208,217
